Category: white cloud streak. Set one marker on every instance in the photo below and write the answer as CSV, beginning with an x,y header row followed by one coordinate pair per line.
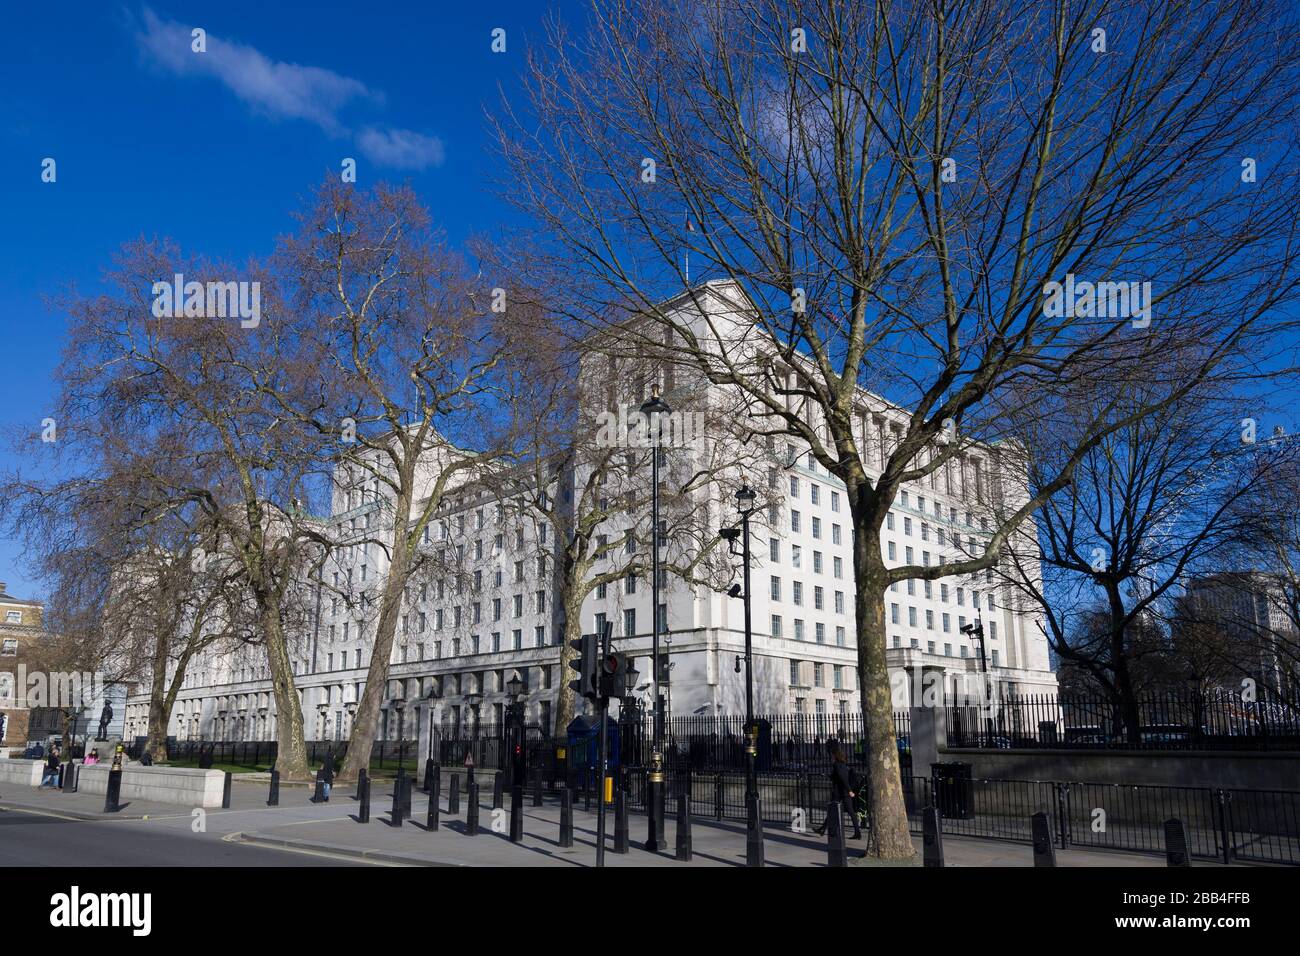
x,y
282,90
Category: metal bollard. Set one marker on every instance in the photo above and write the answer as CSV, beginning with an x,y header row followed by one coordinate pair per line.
x,y
931,837
113,791
1044,850
319,795
754,833
498,790
273,798
683,829
516,813
434,784
471,812
1176,844
620,823
361,779
835,853
225,792
399,802
363,784
431,821
453,796
566,817
69,777
429,766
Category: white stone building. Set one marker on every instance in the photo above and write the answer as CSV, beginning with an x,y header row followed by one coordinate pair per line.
x,y
457,649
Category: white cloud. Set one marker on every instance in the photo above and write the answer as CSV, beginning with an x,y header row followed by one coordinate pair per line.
x,y
285,90
401,148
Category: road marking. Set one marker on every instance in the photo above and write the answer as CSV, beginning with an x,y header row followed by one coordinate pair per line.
x,y
238,838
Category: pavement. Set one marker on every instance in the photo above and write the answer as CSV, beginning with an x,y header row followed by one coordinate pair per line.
x,y
51,827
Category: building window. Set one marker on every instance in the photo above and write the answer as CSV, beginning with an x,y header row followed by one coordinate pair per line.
x,y
776,625
629,622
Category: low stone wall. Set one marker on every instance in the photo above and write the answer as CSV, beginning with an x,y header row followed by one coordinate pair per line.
x,y
1253,770
19,772
189,788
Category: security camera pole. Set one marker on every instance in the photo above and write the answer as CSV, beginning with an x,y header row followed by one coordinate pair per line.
x,y
977,630
745,498
652,408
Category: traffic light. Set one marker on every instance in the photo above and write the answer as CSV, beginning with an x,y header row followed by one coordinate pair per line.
x,y
614,675
585,665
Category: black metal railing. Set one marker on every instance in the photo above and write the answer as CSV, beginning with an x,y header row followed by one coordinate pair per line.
x,y
1164,721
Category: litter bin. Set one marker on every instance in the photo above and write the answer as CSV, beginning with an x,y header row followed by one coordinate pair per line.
x,y
954,790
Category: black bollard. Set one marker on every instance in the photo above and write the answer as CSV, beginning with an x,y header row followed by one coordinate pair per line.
x,y
429,767
434,784
471,811
273,798
931,837
431,821
683,829
318,796
566,817
537,789
363,785
1044,850
361,780
453,796
399,786
835,853
754,833
399,802
498,790
1176,844
225,792
517,812
620,822
113,791
469,777
69,782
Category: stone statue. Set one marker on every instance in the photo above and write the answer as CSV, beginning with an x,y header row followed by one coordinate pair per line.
x,y
105,716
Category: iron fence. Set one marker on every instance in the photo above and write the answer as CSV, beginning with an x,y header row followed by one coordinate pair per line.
x,y
1164,721
261,754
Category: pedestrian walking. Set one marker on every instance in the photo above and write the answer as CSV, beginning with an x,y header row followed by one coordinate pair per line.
x,y
843,790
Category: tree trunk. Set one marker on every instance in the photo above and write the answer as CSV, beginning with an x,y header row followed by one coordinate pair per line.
x,y
291,759
891,837
155,744
365,725
566,700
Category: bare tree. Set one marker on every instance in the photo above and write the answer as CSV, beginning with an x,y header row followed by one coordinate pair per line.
x,y
892,188
191,394
1153,502
404,379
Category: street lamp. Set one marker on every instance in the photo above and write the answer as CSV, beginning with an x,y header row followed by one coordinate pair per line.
x,y
515,720
745,499
652,408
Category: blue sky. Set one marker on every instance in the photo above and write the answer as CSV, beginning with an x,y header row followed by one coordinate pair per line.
x,y
216,150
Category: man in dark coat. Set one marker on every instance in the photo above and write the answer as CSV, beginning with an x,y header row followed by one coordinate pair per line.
x,y
842,791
